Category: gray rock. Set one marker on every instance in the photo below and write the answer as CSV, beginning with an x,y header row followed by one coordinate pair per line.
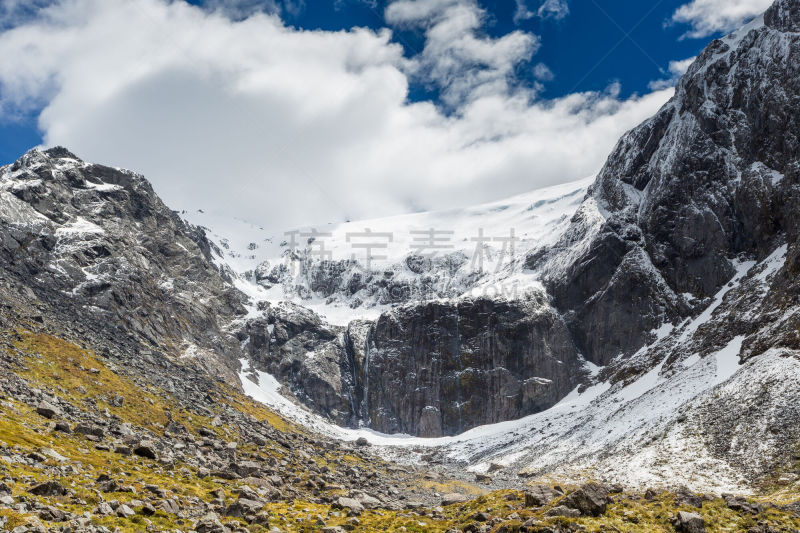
x,y
48,410
539,495
243,507
590,500
369,502
146,449
103,508
52,514
90,430
123,511
48,489
563,510
348,504
531,363
741,504
689,523
210,524
454,498
63,427
169,506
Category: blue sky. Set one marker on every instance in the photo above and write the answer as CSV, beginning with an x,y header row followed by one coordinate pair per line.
x,y
598,42
438,103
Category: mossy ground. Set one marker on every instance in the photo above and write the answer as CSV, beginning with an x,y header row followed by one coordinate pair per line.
x,y
78,375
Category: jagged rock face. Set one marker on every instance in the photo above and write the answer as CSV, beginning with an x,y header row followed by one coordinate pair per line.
x,y
440,368
428,369
98,242
294,345
712,176
413,279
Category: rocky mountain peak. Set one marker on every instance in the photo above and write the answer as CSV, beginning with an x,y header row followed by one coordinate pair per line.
x,y
710,178
96,242
783,15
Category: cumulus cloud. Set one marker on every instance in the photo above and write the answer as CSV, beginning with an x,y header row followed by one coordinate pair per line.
x,y
555,9
707,17
676,70
285,127
241,9
543,73
461,62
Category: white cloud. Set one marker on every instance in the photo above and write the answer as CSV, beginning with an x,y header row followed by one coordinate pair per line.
x,y
555,9
287,127
707,17
241,9
543,73
676,70
462,63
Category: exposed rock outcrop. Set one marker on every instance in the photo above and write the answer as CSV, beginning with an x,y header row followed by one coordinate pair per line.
x,y
97,244
713,176
465,363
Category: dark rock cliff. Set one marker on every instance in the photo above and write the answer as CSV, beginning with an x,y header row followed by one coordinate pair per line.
x,y
98,244
713,176
441,368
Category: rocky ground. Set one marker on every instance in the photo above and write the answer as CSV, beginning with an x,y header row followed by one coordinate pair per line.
x,y
88,444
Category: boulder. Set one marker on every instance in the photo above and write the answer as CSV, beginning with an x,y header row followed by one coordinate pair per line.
x,y
689,523
453,498
590,500
741,505
686,498
209,524
539,495
48,489
348,504
148,509
563,510
146,449
246,468
243,507
369,502
169,506
90,430
52,514
123,511
63,427
48,410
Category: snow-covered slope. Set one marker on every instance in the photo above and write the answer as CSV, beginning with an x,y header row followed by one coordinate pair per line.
x,y
677,276
446,254
654,430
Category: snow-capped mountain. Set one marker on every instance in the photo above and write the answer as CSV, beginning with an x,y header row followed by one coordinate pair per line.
x,y
360,269
673,276
638,325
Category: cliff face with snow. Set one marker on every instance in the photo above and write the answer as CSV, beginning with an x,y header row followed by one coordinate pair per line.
x,y
703,187
711,177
